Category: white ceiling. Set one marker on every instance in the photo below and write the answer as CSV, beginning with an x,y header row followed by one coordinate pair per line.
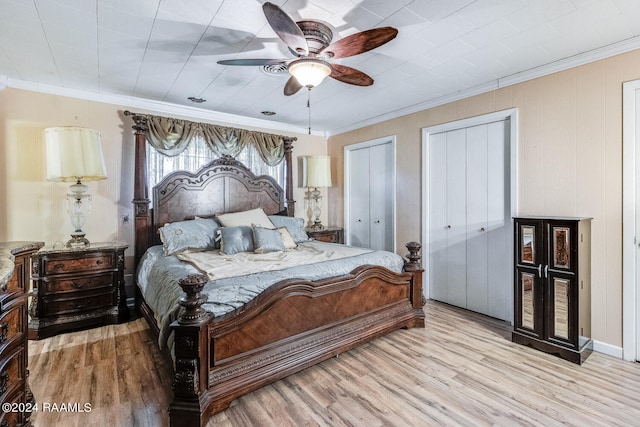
x,y
165,51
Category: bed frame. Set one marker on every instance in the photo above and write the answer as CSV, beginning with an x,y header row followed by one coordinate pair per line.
x,y
292,325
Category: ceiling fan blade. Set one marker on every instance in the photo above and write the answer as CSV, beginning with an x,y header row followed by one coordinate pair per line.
x,y
252,62
286,28
360,42
350,75
292,86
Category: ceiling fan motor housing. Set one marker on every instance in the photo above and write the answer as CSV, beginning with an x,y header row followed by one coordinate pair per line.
x,y
317,34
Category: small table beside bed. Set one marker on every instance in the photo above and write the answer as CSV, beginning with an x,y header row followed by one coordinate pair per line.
x,y
240,296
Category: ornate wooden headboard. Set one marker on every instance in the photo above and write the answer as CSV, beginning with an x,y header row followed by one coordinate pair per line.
x,y
224,185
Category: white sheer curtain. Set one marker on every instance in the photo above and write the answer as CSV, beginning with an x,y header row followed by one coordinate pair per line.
x,y
197,154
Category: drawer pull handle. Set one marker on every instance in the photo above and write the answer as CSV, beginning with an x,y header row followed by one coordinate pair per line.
x,y
80,306
76,285
99,262
4,331
4,379
58,266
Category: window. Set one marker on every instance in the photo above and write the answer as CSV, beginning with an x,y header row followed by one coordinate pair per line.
x,y
197,154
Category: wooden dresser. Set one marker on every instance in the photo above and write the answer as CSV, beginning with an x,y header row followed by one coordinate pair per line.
x,y
14,288
77,288
327,234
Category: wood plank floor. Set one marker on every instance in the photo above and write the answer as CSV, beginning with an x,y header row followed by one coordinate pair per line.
x,y
462,369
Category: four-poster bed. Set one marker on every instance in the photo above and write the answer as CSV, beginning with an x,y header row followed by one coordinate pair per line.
x,y
291,325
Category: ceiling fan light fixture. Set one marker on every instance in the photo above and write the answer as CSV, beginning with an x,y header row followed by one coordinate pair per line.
x,y
309,72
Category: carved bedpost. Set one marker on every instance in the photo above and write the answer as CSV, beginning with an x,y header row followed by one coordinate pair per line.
x,y
191,354
414,258
414,265
288,159
141,201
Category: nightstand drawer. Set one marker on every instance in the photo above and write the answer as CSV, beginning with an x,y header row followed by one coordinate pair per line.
x,y
74,284
89,262
12,323
330,238
75,305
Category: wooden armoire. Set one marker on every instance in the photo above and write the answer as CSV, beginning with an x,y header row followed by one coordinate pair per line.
x,y
552,294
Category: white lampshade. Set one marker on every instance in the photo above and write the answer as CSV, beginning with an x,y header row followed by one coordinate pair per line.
x,y
309,72
73,154
316,171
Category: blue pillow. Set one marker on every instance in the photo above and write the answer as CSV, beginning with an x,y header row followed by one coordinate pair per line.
x,y
267,240
236,239
195,234
294,225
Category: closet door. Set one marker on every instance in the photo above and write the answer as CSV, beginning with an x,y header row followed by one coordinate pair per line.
x,y
499,225
381,197
437,268
456,219
469,222
476,219
358,226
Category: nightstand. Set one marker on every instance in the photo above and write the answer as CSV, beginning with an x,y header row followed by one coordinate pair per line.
x,y
76,288
328,234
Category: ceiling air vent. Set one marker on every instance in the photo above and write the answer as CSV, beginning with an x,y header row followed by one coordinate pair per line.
x,y
275,69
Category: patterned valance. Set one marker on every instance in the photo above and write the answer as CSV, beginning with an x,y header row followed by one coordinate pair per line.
x,y
171,136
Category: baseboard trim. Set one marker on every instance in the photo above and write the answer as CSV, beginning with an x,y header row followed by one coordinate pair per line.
x,y
608,349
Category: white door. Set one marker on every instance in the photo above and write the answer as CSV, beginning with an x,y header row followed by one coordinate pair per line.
x,y
358,198
381,197
369,194
469,222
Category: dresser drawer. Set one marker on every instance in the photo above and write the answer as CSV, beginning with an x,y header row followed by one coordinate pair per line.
x,y
13,418
74,305
89,262
80,283
12,323
11,373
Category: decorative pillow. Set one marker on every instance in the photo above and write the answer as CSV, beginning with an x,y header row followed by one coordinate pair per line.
x,y
236,239
294,225
267,240
195,234
248,218
288,241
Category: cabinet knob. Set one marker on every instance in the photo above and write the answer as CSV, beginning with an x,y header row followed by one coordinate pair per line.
x,y
482,230
377,222
359,220
448,226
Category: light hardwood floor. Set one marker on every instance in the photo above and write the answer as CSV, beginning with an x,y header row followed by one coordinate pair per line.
x,y
462,369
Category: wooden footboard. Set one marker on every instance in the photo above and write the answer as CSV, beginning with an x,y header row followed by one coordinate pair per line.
x,y
291,326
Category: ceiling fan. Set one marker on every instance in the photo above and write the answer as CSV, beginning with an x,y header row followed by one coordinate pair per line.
x,y
310,42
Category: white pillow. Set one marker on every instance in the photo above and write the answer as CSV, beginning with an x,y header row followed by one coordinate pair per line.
x,y
288,241
245,218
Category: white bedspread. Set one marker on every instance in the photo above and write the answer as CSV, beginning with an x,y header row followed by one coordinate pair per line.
x,y
219,266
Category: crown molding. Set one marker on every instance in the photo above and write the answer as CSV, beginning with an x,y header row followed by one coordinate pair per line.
x,y
533,73
232,119
157,106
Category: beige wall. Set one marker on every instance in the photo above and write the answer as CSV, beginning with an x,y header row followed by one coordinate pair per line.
x,y
569,163
32,208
